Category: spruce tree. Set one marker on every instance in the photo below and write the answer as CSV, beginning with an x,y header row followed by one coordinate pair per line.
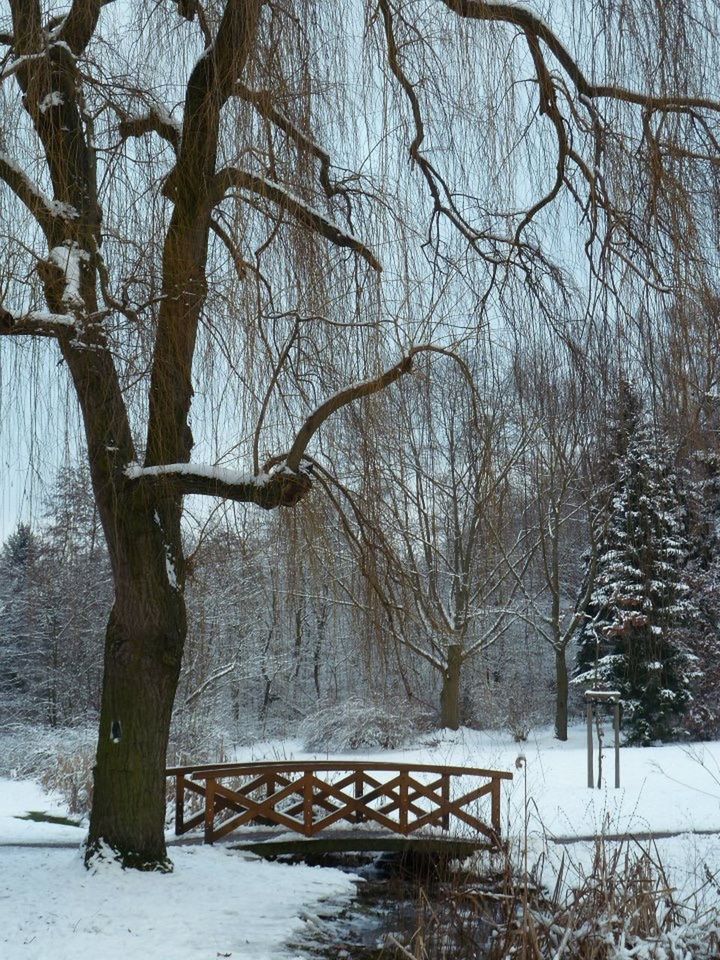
x,y
630,640
20,635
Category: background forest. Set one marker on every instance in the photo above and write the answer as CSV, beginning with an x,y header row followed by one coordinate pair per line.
x,y
466,578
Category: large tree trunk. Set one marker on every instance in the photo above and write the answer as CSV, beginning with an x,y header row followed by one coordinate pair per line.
x,y
561,695
450,693
143,652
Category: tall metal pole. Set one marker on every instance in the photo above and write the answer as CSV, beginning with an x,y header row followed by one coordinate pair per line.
x,y
617,744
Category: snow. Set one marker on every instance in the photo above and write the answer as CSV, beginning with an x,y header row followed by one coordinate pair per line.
x,y
44,318
68,257
219,901
134,472
664,789
19,797
50,100
66,211
216,902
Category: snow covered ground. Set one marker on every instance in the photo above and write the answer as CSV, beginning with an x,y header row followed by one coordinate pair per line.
x,y
216,903
219,903
665,789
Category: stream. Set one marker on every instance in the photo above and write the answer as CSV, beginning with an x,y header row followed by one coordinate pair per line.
x,y
416,904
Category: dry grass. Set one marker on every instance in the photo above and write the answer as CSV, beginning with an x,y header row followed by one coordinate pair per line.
x,y
624,908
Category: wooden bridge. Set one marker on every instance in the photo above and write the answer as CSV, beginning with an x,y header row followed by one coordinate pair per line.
x,y
306,797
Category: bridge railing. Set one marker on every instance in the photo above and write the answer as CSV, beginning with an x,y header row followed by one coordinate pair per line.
x,y
309,796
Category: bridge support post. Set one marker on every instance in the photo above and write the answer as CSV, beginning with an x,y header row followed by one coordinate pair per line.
x,y
445,794
307,782
404,801
209,810
359,789
179,804
495,805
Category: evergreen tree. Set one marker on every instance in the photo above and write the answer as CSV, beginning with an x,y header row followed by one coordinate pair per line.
x,y
20,633
631,637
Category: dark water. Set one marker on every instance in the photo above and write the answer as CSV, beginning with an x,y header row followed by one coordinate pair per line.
x,y
419,902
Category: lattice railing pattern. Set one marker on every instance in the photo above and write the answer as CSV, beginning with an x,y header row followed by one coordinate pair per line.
x,y
308,797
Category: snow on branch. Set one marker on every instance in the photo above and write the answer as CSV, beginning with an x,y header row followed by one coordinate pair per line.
x,y
284,480
274,486
157,120
46,212
68,259
237,178
36,323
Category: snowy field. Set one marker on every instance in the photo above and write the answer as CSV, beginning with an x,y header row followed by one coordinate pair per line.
x,y
219,903
665,789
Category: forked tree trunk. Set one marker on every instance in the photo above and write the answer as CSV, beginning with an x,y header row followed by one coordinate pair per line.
x,y
450,693
561,695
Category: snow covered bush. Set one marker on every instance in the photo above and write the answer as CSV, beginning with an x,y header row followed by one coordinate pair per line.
x,y
622,909
356,723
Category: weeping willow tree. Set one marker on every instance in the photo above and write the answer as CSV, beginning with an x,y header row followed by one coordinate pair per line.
x,y
246,216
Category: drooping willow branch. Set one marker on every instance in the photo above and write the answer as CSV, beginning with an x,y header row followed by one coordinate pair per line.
x,y
529,22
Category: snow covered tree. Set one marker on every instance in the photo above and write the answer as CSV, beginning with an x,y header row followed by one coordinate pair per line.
x,y
630,639
21,634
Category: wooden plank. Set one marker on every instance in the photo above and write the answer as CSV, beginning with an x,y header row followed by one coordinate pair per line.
x,y
308,803
403,801
451,847
358,791
445,793
201,772
495,802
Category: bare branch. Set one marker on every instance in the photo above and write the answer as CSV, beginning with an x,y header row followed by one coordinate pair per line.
x,y
235,177
341,399
526,20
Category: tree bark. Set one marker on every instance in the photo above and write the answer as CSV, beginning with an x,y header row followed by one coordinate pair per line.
x,y
143,653
450,693
561,695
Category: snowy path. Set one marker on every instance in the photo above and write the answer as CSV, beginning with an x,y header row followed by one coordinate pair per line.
x,y
215,904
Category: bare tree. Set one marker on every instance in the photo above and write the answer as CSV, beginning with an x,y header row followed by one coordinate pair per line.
x,y
175,224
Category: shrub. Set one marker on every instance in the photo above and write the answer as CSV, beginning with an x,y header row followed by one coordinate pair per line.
x,y
356,723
